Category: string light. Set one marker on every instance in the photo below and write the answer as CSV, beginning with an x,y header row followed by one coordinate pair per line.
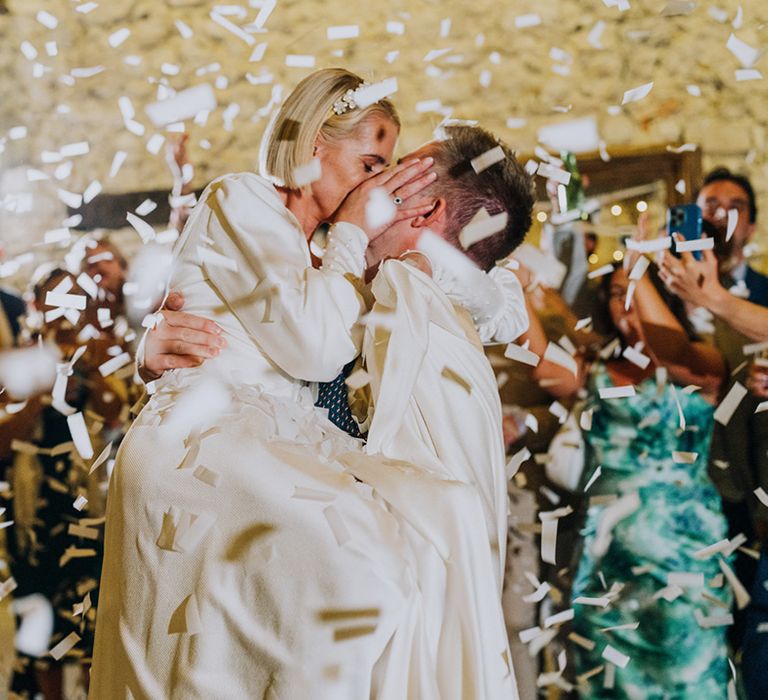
x,y
642,206
616,210
618,255
541,216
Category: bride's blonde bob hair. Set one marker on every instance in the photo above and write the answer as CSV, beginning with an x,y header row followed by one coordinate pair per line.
x,y
307,114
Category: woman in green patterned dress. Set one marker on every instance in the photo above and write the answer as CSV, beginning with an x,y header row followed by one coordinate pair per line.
x,y
642,550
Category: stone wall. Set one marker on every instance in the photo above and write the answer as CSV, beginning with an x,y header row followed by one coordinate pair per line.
x,y
515,65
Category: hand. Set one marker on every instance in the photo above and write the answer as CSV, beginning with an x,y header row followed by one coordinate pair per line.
x,y
403,181
180,340
694,281
511,431
757,380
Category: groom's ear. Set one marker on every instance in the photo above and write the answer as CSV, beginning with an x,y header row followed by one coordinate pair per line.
x,y
433,217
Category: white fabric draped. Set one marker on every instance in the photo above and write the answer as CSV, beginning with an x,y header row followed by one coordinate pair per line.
x,y
242,557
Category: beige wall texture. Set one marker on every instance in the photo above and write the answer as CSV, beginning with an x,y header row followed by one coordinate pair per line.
x,y
515,65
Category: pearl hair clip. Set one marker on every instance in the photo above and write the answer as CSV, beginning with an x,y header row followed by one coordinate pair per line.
x,y
348,100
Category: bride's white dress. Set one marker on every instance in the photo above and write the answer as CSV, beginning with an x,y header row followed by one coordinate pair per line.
x,y
243,558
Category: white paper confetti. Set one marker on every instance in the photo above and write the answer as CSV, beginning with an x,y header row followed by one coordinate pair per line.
x,y
380,209
554,353
346,31
689,246
369,94
636,94
482,226
64,646
730,403
487,159
299,61
141,227
617,392
615,656
117,38
184,105
746,54
47,19
80,435
307,174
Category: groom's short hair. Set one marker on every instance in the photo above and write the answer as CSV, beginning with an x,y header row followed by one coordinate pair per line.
x,y
504,186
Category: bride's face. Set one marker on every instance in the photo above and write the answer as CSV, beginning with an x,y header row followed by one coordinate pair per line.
x,y
348,162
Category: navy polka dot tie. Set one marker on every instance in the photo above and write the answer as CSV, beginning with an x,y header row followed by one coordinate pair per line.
x,y
334,396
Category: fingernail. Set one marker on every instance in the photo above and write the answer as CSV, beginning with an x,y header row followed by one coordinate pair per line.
x,y
428,160
432,176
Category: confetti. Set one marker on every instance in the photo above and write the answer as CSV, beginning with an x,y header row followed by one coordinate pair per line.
x,y
617,392
678,7
554,353
306,174
602,602
636,94
64,646
71,199
684,457
117,38
141,227
117,163
595,476
487,159
615,656
111,366
368,94
185,104
91,191
516,461
529,20
299,61
636,358
685,579
701,244
482,226
733,221
740,594
380,208
601,271
103,456
559,618
730,403
47,19
551,172
80,435
233,28
746,54
358,379
762,496
347,31
745,74
206,475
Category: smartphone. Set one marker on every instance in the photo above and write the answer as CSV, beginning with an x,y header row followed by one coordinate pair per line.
x,y
686,220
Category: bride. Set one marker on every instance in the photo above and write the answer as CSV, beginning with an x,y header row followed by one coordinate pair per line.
x,y
237,551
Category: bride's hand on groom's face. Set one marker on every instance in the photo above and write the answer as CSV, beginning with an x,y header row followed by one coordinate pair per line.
x,y
402,181
180,340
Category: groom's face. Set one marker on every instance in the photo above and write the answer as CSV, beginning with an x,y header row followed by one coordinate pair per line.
x,y
402,235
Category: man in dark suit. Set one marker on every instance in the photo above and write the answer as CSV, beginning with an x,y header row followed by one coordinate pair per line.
x,y
739,463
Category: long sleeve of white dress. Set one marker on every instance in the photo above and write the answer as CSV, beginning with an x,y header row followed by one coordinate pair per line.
x,y
495,300
255,255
